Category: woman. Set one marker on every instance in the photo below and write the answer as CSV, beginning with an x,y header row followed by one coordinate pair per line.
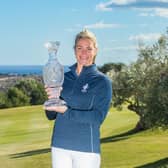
x,y
87,93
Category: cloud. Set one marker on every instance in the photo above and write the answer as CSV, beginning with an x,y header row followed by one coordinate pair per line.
x,y
121,48
145,37
145,14
104,6
140,4
161,12
98,25
101,25
107,6
156,12
147,7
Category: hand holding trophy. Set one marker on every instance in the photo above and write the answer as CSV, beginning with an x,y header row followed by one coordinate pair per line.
x,y
53,75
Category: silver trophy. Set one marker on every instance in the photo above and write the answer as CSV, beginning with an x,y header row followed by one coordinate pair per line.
x,y
53,74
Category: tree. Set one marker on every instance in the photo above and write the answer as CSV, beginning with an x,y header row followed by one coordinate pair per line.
x,y
116,67
143,85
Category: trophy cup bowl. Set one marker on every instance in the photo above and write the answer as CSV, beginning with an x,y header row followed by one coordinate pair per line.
x,y
53,74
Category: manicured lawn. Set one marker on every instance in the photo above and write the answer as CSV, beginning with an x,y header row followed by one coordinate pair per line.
x,y
25,135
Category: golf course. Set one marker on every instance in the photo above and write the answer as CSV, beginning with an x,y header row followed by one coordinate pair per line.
x,y
25,135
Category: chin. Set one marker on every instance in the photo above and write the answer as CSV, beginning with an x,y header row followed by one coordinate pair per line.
x,y
84,63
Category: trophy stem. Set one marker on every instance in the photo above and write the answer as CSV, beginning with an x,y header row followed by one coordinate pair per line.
x,y
54,102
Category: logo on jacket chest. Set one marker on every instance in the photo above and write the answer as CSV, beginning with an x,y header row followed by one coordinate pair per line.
x,y
85,88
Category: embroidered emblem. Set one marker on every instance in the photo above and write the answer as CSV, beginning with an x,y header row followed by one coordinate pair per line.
x,y
85,88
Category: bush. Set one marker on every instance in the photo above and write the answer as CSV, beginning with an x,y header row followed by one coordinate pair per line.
x,y
17,98
3,100
34,90
25,92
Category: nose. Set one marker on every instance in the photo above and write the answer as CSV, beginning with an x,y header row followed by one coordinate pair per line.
x,y
84,51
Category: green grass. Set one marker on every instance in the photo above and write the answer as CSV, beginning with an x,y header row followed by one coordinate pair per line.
x,y
25,135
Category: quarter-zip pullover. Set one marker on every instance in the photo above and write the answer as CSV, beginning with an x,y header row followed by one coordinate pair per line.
x,y
88,97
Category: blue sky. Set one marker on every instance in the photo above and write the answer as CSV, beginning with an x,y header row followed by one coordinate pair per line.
x,y
25,25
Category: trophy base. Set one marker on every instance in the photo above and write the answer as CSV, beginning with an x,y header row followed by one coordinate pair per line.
x,y
54,102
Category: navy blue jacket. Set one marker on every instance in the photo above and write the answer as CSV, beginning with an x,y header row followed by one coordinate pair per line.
x,y
88,97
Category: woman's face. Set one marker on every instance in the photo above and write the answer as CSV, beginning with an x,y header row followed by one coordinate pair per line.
x,y
85,52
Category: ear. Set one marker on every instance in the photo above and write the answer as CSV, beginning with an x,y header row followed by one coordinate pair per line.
x,y
96,50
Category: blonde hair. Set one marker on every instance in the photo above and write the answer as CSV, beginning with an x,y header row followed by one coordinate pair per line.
x,y
88,35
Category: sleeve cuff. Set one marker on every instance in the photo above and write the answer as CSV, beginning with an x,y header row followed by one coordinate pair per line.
x,y
51,115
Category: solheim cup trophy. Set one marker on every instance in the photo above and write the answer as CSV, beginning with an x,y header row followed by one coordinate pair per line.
x,y
53,73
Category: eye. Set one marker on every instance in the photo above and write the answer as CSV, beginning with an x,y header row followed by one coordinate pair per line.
x,y
78,48
89,49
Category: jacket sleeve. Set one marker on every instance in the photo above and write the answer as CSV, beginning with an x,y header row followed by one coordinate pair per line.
x,y
51,115
97,114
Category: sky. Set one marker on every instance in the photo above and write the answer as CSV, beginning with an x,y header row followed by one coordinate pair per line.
x,y
119,25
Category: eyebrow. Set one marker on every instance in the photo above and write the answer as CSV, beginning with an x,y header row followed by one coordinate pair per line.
x,y
78,45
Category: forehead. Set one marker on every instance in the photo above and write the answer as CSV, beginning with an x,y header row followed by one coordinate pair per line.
x,y
85,41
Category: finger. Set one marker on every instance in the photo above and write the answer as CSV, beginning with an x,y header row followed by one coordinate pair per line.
x,y
51,108
52,97
48,89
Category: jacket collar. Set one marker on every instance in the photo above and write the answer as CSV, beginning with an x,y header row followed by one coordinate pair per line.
x,y
85,70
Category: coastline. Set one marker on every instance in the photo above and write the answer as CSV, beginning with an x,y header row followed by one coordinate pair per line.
x,y
11,74
16,70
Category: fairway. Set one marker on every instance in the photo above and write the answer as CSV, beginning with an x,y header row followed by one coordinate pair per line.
x,y
25,135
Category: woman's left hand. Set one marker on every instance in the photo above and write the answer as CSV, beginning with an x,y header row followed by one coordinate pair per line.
x,y
59,109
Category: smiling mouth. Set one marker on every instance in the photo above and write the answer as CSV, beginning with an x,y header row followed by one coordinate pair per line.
x,y
84,58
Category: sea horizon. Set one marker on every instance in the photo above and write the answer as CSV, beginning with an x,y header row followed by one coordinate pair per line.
x,y
22,69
